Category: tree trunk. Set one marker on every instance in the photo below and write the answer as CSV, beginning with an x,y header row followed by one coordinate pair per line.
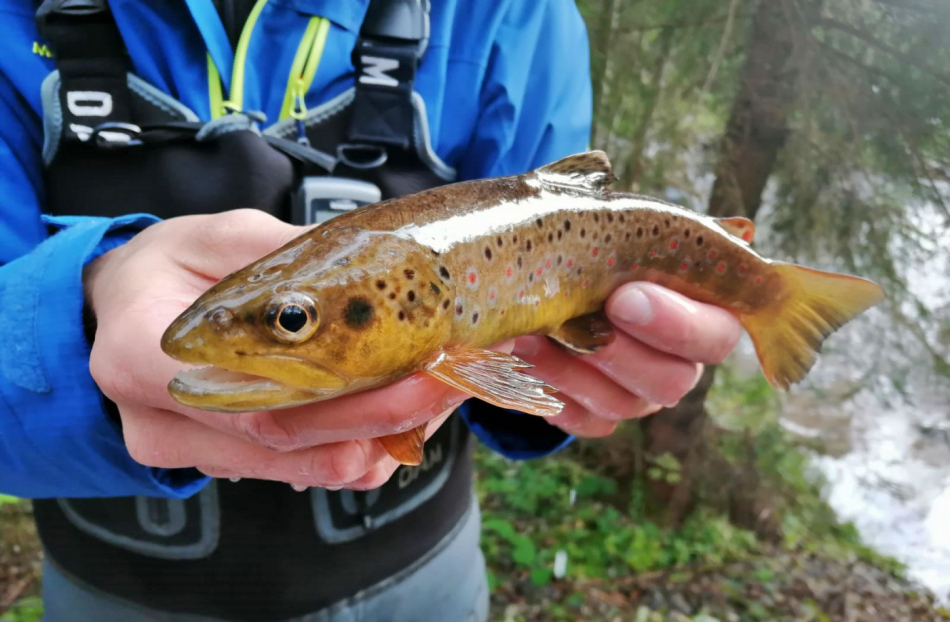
x,y
755,134
610,14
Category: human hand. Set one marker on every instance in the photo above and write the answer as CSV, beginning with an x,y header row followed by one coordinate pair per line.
x,y
138,289
662,341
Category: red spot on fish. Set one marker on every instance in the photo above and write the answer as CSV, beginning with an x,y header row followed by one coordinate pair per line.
x,y
652,252
503,311
684,266
491,295
610,261
509,271
585,283
742,269
673,245
570,262
757,280
547,264
539,271
747,235
521,294
537,302
635,266
721,267
711,255
472,277
594,251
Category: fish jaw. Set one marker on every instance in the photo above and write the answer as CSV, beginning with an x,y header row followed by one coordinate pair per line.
x,y
215,389
240,378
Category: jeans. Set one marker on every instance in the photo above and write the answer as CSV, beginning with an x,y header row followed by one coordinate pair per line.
x,y
449,585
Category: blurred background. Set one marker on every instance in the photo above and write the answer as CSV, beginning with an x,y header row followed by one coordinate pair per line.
x,y
828,123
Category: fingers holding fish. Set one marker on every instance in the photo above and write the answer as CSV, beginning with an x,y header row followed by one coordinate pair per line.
x,y
164,439
673,323
579,421
655,376
585,384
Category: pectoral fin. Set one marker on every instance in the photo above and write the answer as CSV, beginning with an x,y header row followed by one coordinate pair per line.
x,y
406,447
493,377
742,228
585,334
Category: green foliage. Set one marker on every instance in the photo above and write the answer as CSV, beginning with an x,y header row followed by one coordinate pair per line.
x,y
26,610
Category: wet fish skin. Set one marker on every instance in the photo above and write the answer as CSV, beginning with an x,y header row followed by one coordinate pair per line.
x,y
427,282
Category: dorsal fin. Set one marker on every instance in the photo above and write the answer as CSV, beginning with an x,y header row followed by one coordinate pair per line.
x,y
742,228
584,171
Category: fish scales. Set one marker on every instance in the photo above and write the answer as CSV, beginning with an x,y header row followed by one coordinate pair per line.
x,y
429,282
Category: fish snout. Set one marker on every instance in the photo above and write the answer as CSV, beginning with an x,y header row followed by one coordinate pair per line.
x,y
186,337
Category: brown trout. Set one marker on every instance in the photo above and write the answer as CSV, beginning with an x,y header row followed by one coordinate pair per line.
x,y
427,282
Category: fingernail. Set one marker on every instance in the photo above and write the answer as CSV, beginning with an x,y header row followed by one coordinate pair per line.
x,y
298,487
235,479
526,346
633,307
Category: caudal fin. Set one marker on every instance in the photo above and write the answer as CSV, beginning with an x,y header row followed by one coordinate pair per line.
x,y
788,334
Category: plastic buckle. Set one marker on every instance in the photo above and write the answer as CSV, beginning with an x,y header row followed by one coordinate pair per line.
x,y
362,157
112,135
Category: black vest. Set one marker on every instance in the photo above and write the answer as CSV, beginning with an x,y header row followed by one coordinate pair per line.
x,y
251,550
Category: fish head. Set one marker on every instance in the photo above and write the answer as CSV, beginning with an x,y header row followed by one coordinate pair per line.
x,y
310,322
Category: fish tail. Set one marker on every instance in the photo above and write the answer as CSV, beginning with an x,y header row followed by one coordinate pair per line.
x,y
788,333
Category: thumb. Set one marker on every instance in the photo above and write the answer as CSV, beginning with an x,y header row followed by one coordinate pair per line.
x,y
219,244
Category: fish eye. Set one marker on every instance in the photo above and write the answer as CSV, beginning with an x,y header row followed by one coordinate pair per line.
x,y
293,318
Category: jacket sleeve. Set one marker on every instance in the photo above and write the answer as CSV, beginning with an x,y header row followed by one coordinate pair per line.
x,y
55,437
536,107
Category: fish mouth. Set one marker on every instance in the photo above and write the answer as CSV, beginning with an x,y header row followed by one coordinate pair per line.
x,y
218,389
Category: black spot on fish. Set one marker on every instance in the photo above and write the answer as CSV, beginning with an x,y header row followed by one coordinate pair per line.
x,y
514,239
667,222
458,309
475,317
392,295
531,278
499,241
358,312
443,272
596,235
435,288
240,353
626,236
639,232
622,219
527,245
519,261
567,225
402,315
686,233
559,234
550,237
596,217
539,223
699,240
607,238
559,260
583,233
410,273
610,217
579,270
411,296
656,230
380,284
487,253
445,303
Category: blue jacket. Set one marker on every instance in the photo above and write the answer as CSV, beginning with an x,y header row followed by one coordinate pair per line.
x,y
507,88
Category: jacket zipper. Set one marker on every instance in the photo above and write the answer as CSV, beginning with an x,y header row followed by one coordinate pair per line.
x,y
303,70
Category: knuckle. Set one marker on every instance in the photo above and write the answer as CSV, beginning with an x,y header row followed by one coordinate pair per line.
x,y
266,430
340,464
678,383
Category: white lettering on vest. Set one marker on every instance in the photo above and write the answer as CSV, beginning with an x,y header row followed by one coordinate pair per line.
x,y
411,474
375,68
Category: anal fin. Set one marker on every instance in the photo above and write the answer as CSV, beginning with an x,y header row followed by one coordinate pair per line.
x,y
585,334
406,447
493,377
